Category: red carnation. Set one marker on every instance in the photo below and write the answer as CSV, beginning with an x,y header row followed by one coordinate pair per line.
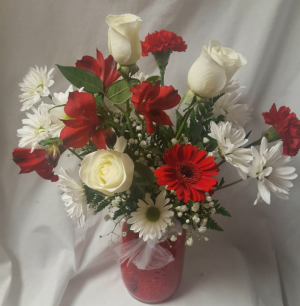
x,y
163,41
151,101
288,127
106,69
35,161
189,172
84,123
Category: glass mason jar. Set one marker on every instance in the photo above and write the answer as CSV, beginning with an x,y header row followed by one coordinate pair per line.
x,y
154,286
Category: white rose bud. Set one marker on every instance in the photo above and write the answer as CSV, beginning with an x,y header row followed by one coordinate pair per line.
x,y
123,38
107,171
213,70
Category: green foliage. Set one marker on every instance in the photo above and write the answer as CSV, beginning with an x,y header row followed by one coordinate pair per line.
x,y
162,136
119,92
187,96
220,210
96,199
221,182
154,150
213,225
118,213
154,79
99,100
82,78
143,174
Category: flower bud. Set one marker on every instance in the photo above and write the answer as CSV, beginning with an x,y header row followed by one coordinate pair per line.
x,y
53,153
110,139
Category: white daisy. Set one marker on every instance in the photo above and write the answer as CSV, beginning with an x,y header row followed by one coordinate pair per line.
x,y
35,85
58,113
35,129
74,197
150,220
268,168
230,141
226,106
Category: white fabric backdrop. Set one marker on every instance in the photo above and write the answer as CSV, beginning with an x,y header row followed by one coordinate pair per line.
x,y
45,260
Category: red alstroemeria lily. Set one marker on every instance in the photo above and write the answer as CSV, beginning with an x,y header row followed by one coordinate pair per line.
x,y
151,101
35,161
106,69
84,123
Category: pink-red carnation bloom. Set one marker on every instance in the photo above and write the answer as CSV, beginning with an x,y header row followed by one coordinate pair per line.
x,y
105,69
163,41
189,172
288,127
151,101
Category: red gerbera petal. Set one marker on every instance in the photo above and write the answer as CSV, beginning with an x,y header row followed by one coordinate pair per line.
x,y
288,127
188,171
162,41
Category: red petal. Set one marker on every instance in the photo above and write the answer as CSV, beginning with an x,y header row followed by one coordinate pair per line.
x,y
99,139
111,73
76,138
90,64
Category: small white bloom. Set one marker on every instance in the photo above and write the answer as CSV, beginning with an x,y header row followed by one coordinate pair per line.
x,y
211,204
179,214
150,219
35,129
210,154
35,85
131,141
174,141
73,196
187,221
202,229
212,211
208,198
205,140
185,226
173,238
143,144
203,221
190,241
239,114
138,128
268,168
195,207
230,141
152,169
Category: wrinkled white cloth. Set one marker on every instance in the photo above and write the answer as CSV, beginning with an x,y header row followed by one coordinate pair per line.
x,y
254,262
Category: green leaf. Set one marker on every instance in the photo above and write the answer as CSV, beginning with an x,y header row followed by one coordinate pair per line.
x,y
222,211
154,150
154,79
99,100
213,225
118,213
187,96
216,98
82,78
143,172
221,182
199,145
119,92
195,130
179,119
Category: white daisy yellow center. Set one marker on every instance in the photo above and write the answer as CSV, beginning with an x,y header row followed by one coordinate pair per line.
x,y
153,214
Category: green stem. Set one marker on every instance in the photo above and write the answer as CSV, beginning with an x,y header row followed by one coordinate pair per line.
x,y
185,118
107,109
162,76
128,120
50,96
143,125
73,151
228,185
254,143
120,109
221,162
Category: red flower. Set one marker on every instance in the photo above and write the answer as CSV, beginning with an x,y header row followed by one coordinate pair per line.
x,y
189,172
288,127
162,41
84,123
151,101
35,161
106,69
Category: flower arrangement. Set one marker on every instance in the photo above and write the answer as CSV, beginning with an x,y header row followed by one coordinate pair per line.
x,y
134,162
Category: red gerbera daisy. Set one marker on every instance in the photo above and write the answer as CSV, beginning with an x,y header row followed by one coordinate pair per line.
x,y
35,161
106,69
151,101
288,127
84,123
189,172
163,41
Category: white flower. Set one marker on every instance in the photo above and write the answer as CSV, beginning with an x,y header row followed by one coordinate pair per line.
x,y
195,206
230,141
141,76
35,129
73,196
123,38
202,229
268,168
58,113
151,220
211,73
190,241
107,171
239,114
35,85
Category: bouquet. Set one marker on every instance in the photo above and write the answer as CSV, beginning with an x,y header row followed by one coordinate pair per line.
x,y
135,162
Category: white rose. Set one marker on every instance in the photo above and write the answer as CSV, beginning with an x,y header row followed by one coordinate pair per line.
x,y
123,38
212,71
107,171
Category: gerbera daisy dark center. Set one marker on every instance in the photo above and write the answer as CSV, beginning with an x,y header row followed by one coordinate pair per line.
x,y
153,214
187,171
